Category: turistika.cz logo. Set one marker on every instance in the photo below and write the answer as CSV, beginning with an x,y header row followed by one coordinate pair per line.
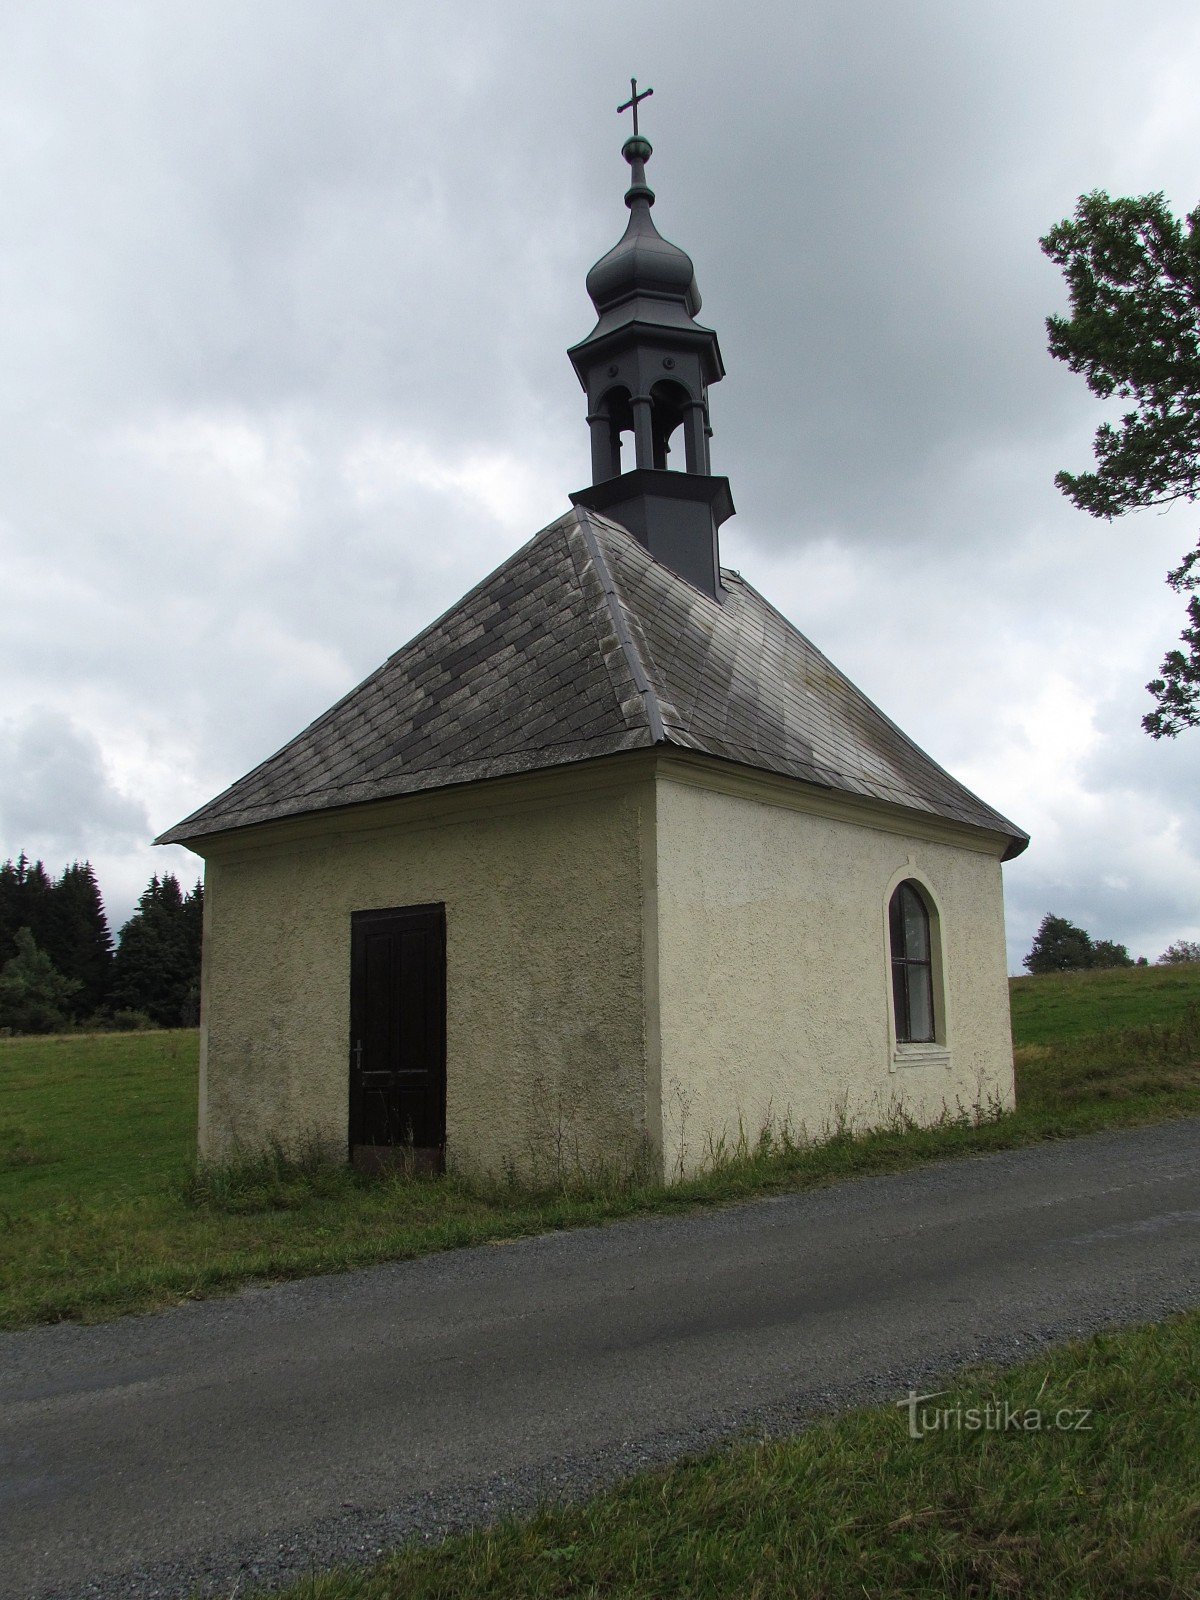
x,y
994,1416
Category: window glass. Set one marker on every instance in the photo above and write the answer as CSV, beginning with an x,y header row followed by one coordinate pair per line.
x,y
896,921
900,998
920,1004
912,966
916,924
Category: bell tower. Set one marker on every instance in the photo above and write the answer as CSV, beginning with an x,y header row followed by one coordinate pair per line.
x,y
646,368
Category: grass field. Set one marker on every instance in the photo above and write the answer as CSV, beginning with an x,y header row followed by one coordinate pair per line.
x,y
1104,1505
102,1211
95,1117
1064,1005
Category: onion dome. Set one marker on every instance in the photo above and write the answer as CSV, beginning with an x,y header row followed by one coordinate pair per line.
x,y
643,262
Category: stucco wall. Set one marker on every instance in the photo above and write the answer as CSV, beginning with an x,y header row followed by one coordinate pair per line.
x,y
645,960
773,985
542,879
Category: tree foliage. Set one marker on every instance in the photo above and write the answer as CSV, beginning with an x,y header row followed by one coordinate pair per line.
x,y
157,965
1180,953
57,932
77,935
26,890
1107,953
34,996
1133,274
66,919
1059,946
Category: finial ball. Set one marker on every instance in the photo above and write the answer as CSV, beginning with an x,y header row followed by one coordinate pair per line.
x,y
637,148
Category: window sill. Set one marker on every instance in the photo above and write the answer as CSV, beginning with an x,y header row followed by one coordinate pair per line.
x,y
920,1055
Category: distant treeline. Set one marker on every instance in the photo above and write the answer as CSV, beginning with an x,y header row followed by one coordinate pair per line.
x,y
1060,946
59,964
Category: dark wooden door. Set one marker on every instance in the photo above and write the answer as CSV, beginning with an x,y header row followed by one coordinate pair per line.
x,y
398,1037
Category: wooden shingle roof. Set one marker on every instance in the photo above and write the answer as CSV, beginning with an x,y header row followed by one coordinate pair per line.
x,y
581,645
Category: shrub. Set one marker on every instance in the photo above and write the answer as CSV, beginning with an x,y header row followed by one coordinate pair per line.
x,y
131,1022
34,995
1180,953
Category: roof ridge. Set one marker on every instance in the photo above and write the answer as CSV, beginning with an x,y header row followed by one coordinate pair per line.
x,y
465,599
633,659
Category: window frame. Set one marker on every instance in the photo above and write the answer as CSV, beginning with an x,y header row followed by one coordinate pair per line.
x,y
904,1054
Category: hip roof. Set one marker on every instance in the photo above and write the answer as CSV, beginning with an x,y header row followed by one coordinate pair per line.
x,y
582,645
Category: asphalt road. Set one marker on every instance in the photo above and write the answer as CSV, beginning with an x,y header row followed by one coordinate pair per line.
x,y
252,1438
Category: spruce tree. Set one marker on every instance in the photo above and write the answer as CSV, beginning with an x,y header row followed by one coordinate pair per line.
x,y
10,919
193,926
26,895
66,919
79,941
157,965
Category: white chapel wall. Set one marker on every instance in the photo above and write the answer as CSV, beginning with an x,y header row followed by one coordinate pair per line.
x,y
542,879
774,996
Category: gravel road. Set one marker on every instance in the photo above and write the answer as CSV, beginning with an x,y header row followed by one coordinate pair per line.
x,y
251,1439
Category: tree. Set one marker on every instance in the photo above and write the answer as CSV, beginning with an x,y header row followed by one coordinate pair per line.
x,y
67,921
157,965
1106,953
1133,274
34,997
26,892
1180,953
77,936
193,924
1059,946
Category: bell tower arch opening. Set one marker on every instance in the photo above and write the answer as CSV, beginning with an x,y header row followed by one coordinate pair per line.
x,y
612,417
671,407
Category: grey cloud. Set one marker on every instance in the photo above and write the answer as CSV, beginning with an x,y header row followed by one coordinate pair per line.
x,y
55,795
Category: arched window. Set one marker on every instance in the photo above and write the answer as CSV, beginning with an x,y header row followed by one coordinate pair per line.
x,y
912,965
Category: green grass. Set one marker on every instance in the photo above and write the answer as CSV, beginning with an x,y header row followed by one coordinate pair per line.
x,y
103,1115
853,1506
1063,1005
102,1211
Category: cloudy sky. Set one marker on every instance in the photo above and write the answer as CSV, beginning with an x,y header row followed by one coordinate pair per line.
x,y
285,290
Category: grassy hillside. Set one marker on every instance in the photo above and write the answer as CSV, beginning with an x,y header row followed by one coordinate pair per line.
x,y
102,1210
1064,1005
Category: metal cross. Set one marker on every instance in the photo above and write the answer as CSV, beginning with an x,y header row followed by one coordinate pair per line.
x,y
633,101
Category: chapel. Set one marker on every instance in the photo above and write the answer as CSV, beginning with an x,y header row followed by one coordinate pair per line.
x,y
608,869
